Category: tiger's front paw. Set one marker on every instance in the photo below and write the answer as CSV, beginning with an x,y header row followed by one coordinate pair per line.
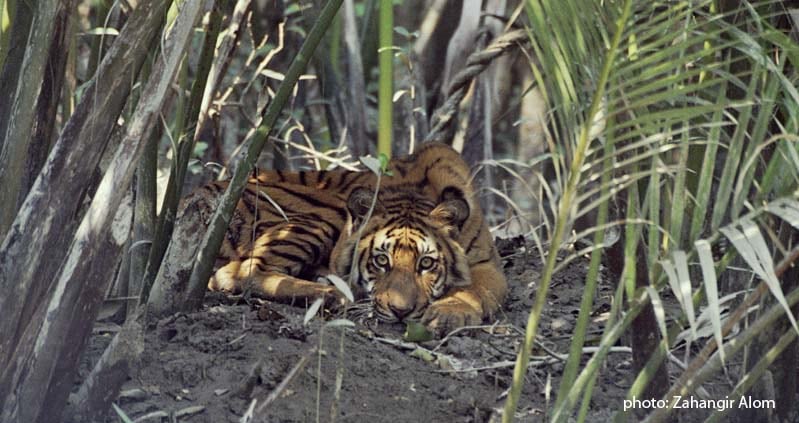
x,y
334,300
448,314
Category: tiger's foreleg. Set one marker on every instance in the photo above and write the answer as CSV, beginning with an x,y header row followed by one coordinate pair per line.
x,y
284,288
275,263
469,305
274,285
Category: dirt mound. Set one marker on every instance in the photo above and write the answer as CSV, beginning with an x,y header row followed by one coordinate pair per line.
x,y
229,359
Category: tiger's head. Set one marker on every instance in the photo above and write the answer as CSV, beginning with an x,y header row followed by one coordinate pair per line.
x,y
405,255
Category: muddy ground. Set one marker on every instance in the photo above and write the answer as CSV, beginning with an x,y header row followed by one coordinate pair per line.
x,y
225,361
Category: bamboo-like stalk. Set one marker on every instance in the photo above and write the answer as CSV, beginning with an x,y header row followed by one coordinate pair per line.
x,y
762,120
198,103
25,273
5,23
591,279
356,86
591,369
212,240
644,377
102,12
24,97
42,369
564,210
705,354
732,162
688,383
385,124
335,44
748,380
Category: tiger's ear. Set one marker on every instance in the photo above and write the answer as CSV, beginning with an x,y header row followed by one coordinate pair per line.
x,y
452,209
359,202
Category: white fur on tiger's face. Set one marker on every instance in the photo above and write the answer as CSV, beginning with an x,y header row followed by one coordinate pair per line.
x,y
406,255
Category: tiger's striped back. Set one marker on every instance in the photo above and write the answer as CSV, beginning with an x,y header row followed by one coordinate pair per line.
x,y
425,252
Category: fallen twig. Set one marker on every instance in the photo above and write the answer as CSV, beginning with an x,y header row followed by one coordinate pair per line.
x,y
534,361
286,381
490,328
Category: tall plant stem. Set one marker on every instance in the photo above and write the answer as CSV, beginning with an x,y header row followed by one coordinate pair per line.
x,y
219,223
386,82
564,209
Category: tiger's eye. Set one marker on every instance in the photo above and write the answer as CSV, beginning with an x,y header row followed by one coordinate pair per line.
x,y
426,263
381,260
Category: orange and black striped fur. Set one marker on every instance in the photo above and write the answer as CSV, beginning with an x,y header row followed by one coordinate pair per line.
x,y
425,253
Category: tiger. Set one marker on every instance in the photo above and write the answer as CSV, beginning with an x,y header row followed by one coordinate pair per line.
x,y
412,242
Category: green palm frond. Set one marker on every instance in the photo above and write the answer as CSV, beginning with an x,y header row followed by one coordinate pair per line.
x,y
683,101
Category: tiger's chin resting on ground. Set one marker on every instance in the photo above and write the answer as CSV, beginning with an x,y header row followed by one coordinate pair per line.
x,y
415,248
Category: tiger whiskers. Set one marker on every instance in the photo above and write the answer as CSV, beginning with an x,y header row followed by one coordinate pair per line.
x,y
361,310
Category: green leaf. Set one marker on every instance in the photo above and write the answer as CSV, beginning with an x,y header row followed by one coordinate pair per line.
x,y
312,310
711,290
680,282
384,160
102,31
342,286
337,323
200,148
416,332
124,417
372,164
660,312
423,354
402,31
787,209
749,242
297,30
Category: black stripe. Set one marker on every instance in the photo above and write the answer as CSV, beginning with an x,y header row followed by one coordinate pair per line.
x,y
456,274
363,258
431,166
393,231
473,240
313,201
264,225
313,220
249,204
345,184
259,263
314,244
290,243
299,230
302,178
447,250
214,188
400,221
288,256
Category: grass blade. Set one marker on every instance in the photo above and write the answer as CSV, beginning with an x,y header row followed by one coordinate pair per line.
x,y
711,290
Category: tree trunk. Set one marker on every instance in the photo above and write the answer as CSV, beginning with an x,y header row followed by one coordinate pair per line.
x,y
14,52
47,104
355,112
40,374
53,205
33,97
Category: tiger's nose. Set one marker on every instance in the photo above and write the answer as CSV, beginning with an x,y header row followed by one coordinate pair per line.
x,y
400,310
